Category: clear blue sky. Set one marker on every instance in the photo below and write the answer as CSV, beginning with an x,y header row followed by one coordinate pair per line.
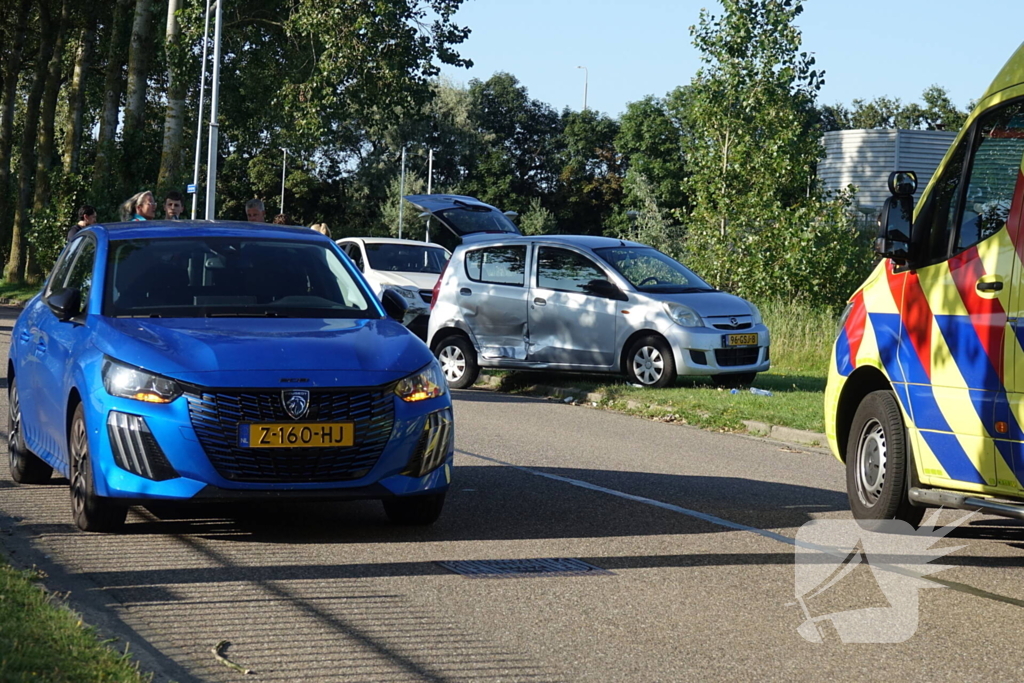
x,y
643,47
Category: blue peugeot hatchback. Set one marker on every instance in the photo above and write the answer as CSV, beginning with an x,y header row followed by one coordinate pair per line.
x,y
216,361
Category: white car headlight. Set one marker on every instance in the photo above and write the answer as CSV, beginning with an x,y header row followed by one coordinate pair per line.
x,y
404,292
755,314
127,381
425,384
683,315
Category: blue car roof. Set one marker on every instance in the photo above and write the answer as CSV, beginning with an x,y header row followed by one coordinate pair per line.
x,y
167,228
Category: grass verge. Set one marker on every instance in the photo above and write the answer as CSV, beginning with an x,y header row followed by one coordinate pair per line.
x,y
42,639
19,293
801,344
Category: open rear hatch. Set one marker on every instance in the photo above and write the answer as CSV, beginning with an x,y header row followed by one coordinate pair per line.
x,y
454,216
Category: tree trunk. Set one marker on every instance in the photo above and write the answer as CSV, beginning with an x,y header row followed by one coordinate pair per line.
x,y
76,103
10,96
139,51
45,147
174,118
113,87
14,272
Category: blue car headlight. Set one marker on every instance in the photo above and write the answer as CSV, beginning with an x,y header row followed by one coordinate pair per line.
x,y
683,315
422,385
126,381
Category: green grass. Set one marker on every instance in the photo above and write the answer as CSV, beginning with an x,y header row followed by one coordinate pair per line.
x,y
41,639
801,344
19,293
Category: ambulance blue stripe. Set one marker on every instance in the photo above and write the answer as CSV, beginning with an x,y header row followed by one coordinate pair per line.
x,y
970,356
844,364
887,336
950,453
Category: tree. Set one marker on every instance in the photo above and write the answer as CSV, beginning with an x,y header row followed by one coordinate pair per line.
x,y
537,220
174,117
650,140
590,179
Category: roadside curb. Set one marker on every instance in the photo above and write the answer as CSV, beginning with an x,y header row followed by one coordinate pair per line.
x,y
754,428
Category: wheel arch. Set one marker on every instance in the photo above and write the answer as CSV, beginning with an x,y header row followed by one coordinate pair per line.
x,y
626,345
448,332
859,384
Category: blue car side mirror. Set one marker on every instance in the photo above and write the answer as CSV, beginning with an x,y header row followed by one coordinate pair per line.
x,y
65,303
394,305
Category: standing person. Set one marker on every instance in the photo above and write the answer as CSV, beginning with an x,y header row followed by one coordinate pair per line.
x,y
254,211
86,217
281,219
173,206
321,228
139,207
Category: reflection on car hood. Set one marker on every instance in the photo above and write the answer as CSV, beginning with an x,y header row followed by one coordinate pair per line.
x,y
706,304
404,279
251,351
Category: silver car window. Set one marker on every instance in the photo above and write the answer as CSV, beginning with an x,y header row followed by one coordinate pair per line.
x,y
566,271
497,265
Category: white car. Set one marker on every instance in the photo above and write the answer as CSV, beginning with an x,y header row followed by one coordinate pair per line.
x,y
407,267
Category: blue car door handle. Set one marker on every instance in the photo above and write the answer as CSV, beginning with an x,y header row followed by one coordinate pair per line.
x,y
465,291
24,336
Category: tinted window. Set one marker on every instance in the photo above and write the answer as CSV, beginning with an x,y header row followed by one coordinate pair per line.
x,y
60,271
477,219
995,165
406,258
81,272
497,265
565,270
212,276
935,224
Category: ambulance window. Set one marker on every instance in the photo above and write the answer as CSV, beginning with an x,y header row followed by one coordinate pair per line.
x,y
995,165
936,220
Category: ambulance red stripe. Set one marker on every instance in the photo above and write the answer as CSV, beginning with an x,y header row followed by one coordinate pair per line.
x,y
987,315
915,313
855,324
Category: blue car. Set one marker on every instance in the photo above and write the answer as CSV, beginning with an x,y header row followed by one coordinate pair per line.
x,y
216,361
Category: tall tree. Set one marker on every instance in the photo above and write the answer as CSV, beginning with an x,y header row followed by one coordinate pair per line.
x,y
174,116
113,89
14,271
651,140
140,51
76,97
13,64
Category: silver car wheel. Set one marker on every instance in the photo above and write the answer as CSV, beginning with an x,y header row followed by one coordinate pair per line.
x,y
871,463
648,364
453,362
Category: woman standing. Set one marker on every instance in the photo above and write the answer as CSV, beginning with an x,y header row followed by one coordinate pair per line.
x,y
139,207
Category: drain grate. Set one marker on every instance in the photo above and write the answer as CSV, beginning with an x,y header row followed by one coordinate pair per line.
x,y
509,569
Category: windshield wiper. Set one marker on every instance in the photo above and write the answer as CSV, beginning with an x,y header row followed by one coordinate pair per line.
x,y
265,313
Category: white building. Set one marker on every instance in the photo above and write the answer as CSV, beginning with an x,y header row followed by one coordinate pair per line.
x,y
864,158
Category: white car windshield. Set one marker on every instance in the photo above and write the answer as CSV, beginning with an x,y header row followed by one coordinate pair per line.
x,y
406,258
649,270
231,277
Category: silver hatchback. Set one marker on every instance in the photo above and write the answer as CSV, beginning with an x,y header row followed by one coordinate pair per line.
x,y
588,304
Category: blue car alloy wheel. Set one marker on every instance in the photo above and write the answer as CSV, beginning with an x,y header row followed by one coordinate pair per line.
x,y
185,362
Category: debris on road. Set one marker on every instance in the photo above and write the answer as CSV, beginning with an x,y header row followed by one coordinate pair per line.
x,y
218,652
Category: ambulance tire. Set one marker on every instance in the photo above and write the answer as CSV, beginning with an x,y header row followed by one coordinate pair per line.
x,y
878,463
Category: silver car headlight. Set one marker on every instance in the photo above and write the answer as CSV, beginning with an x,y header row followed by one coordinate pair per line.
x,y
423,385
755,314
683,315
126,381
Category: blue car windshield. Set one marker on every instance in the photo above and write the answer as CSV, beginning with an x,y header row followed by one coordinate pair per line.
x,y
649,270
230,276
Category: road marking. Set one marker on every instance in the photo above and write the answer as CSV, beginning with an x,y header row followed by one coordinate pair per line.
x,y
775,536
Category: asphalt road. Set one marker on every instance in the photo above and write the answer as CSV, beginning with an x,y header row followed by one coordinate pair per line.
x,y
693,530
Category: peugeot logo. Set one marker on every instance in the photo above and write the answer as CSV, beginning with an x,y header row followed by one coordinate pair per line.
x,y
296,402
734,322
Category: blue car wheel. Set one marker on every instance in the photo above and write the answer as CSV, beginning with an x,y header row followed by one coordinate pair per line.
x,y
91,512
26,467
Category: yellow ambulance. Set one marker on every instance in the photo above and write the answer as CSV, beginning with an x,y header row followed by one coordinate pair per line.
x,y
925,397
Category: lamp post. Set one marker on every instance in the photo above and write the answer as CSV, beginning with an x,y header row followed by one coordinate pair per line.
x,y
199,131
211,153
284,165
586,80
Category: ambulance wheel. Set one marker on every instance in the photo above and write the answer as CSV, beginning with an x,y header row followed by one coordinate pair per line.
x,y
878,463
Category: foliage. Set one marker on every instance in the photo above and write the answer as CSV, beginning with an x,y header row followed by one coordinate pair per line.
x,y
650,140
649,223
49,230
538,220
937,113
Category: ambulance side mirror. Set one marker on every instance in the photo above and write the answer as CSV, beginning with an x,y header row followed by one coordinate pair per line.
x,y
896,218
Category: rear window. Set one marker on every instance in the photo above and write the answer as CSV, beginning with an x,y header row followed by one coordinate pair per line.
x,y
497,265
228,276
406,258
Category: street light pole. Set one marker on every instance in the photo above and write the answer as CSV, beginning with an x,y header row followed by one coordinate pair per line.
x,y
284,165
401,197
199,128
211,158
586,80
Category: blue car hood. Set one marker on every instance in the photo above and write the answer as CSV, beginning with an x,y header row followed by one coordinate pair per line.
x,y
226,352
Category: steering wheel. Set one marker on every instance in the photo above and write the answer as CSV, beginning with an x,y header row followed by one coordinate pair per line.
x,y
652,280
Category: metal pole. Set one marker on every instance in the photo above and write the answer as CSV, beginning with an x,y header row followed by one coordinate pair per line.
x,y
199,118
211,158
586,80
430,182
401,197
284,165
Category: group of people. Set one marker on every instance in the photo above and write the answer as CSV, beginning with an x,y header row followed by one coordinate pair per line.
x,y
142,207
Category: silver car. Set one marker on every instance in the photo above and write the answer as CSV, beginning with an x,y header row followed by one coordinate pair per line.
x,y
588,304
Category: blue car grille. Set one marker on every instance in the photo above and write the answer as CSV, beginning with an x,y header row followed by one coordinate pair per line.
x,y
216,416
